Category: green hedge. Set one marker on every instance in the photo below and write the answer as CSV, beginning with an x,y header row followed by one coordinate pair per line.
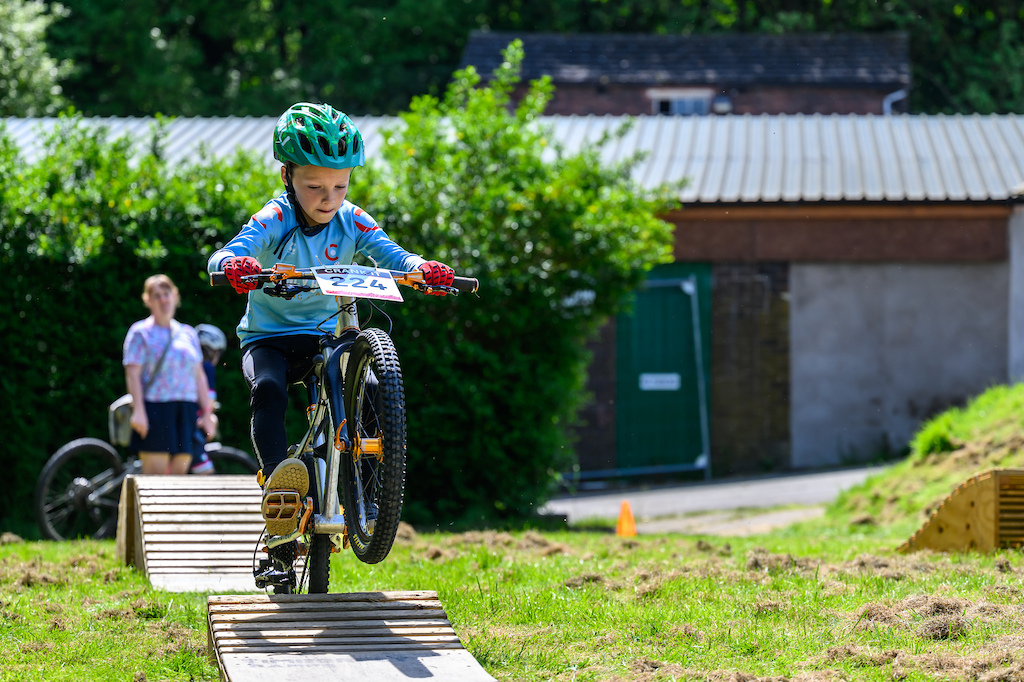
x,y
79,232
493,381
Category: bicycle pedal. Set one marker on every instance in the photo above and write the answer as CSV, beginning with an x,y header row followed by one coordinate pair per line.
x,y
281,510
268,575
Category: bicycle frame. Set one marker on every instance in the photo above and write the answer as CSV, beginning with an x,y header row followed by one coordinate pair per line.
x,y
329,394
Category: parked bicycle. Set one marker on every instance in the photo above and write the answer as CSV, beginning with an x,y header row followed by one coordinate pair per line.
x,y
79,487
354,447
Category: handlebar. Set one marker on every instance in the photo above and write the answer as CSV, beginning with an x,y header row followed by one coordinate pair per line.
x,y
281,272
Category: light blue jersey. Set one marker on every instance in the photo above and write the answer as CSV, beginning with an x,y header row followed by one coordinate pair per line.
x,y
273,236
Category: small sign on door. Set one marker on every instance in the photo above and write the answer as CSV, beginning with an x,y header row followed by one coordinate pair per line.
x,y
666,381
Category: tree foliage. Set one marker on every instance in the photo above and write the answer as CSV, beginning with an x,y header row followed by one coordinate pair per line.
x,y
254,57
29,77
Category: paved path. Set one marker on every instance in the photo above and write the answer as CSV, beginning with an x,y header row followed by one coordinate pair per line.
x,y
653,503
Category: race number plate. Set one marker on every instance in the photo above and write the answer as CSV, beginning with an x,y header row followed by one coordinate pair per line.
x,y
358,282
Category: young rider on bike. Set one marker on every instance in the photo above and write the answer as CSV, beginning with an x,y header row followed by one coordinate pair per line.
x,y
309,224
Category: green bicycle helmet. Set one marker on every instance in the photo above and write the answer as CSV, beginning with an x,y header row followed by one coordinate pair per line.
x,y
317,135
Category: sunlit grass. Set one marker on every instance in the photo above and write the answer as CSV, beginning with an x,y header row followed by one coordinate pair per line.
x,y
570,606
823,599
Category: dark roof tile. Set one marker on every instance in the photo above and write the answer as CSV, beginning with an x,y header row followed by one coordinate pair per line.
x,y
849,59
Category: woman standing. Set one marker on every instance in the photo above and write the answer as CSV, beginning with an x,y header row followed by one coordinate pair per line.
x,y
163,367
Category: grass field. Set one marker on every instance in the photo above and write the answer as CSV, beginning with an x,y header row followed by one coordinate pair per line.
x,y
827,599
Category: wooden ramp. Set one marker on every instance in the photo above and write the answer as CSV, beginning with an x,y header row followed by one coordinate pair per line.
x,y
191,533
984,513
378,636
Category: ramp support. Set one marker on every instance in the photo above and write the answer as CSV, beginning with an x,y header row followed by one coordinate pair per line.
x,y
984,513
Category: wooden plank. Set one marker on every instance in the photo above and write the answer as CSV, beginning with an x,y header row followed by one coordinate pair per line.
x,y
127,517
177,527
300,601
375,625
226,546
234,581
199,507
176,539
327,616
359,636
364,641
200,517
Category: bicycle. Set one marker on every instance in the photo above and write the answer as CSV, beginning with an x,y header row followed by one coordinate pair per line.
x,y
354,447
79,487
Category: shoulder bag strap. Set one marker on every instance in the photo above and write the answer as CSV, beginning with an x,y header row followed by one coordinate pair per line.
x,y
160,360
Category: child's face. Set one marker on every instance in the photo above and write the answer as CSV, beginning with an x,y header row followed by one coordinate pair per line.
x,y
320,191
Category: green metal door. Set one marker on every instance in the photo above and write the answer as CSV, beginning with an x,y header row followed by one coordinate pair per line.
x,y
663,365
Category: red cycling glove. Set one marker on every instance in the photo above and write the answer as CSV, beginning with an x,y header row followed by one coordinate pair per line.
x,y
237,267
437,273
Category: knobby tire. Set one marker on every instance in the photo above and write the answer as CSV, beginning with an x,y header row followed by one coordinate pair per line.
x,y
380,414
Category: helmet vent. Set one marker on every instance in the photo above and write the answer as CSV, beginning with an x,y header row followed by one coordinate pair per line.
x,y
304,143
355,144
342,146
324,147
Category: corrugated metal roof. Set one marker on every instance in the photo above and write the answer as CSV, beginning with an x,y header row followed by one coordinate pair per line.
x,y
728,159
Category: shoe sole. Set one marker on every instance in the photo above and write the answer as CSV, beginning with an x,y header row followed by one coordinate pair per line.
x,y
283,496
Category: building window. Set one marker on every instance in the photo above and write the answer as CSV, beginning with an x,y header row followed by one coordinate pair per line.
x,y
680,101
691,106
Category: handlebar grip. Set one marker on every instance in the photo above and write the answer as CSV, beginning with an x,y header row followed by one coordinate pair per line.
x,y
219,279
469,285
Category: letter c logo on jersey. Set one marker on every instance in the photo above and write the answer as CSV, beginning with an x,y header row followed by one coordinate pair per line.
x,y
331,252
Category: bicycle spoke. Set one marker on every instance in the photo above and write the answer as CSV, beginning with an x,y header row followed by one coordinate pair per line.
x,y
58,501
58,517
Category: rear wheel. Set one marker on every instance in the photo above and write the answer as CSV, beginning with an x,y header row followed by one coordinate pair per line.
x,y
373,479
78,491
318,563
228,460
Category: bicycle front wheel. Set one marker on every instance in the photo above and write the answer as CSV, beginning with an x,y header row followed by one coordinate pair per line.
x,y
78,491
373,478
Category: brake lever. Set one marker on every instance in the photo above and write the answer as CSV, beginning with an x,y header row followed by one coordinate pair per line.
x,y
286,291
424,288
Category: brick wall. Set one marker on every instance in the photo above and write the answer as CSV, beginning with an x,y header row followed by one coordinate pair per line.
x,y
804,100
595,432
632,100
749,368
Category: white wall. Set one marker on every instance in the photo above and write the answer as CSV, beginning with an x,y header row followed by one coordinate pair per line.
x,y
1016,311
876,349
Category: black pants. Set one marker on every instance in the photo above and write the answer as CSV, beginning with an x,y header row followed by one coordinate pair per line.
x,y
270,366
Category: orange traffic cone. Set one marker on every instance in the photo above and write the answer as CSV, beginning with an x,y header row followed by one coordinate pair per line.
x,y
626,527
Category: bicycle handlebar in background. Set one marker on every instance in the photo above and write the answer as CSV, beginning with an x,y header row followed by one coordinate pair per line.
x,y
467,285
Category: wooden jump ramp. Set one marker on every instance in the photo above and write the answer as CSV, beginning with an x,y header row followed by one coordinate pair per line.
x,y
374,636
198,533
191,533
984,513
